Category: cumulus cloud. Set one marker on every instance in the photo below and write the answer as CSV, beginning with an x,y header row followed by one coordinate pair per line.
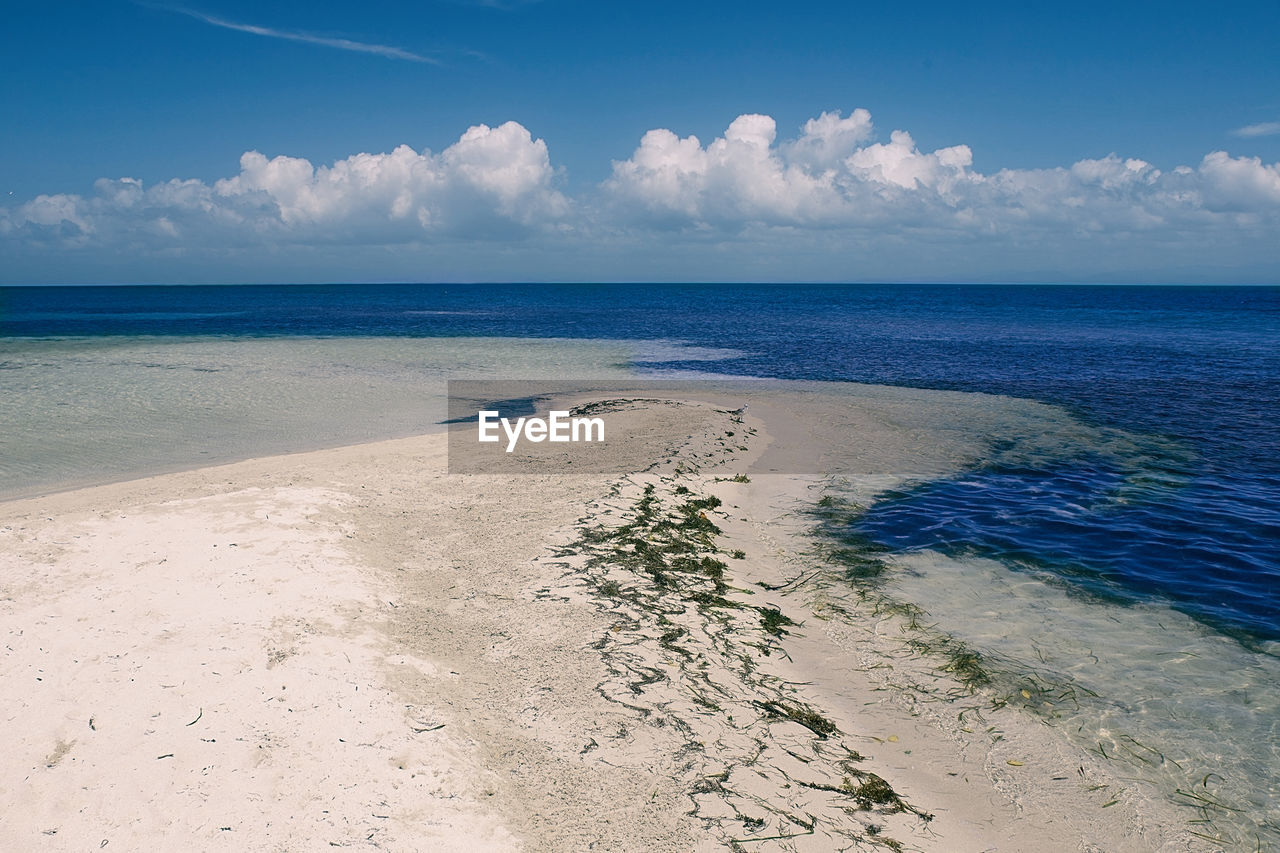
x,y
494,182
837,188
832,175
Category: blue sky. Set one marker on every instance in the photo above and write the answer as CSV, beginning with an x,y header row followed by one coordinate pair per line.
x,y
1002,104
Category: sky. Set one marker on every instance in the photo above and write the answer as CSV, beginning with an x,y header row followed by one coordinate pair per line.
x,y
534,140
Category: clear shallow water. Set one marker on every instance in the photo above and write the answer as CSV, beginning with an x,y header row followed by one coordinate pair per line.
x,y
1175,708
87,410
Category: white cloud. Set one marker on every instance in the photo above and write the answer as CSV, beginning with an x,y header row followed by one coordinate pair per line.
x,y
492,183
1266,128
899,163
837,200
833,176
828,139
741,176
1239,183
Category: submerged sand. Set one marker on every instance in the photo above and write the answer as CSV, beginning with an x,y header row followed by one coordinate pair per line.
x,y
353,648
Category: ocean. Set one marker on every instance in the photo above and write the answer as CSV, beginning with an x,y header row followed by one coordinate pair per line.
x,y
1177,511
1197,366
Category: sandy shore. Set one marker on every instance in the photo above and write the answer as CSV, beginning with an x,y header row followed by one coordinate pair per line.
x,y
351,648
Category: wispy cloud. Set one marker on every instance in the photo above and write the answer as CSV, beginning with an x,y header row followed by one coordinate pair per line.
x,y
1267,128
387,51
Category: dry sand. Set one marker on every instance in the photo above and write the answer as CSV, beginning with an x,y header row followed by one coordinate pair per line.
x,y
351,648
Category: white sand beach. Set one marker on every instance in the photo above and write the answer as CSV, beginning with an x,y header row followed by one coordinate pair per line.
x,y
351,648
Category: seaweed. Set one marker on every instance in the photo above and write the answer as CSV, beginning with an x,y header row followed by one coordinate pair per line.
x,y
774,621
657,568
805,716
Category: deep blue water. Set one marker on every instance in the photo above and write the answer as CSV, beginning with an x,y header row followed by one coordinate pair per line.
x,y
1199,365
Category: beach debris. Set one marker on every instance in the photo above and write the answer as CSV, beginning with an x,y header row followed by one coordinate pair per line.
x,y
59,752
773,621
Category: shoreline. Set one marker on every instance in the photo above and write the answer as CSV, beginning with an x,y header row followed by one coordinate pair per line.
x,y
177,469
368,565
